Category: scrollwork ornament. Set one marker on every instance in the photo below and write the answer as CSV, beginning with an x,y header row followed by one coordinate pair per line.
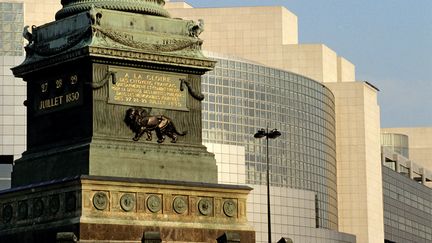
x,y
205,206
192,92
154,203
7,213
127,202
195,29
100,200
109,75
180,205
230,208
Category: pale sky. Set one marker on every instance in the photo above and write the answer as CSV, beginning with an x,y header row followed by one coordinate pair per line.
x,y
389,42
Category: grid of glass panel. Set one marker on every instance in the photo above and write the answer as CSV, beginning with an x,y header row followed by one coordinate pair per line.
x,y
11,28
407,209
242,97
293,216
12,115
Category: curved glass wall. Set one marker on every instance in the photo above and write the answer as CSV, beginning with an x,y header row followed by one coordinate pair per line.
x,y
242,97
396,142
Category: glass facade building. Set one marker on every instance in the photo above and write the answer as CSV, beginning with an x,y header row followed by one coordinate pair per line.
x,y
242,97
407,209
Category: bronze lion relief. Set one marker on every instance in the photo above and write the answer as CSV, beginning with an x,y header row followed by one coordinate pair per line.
x,y
141,122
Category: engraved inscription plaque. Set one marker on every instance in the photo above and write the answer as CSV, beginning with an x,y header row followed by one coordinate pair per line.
x,y
58,93
137,87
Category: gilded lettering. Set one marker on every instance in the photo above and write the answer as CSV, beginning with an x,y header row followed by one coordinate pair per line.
x,y
59,101
44,87
74,79
148,88
51,102
137,76
59,83
72,97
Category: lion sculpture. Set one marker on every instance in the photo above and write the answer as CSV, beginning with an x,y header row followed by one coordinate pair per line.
x,y
140,122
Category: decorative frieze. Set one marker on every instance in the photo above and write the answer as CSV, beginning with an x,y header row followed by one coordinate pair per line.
x,y
188,205
44,206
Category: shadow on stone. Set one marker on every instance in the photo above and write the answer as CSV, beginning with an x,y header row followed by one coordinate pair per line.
x,y
151,237
228,237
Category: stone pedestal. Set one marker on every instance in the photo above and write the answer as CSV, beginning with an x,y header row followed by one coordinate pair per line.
x,y
85,72
114,96
107,209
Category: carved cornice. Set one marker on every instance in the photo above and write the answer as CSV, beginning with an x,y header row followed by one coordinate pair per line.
x,y
120,57
31,67
203,64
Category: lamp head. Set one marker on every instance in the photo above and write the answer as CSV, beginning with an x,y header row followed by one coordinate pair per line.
x,y
260,134
274,134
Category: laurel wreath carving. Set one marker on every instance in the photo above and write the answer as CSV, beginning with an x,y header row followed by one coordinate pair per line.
x,y
169,45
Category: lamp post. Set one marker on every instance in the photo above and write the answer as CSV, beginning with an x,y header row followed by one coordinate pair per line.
x,y
272,135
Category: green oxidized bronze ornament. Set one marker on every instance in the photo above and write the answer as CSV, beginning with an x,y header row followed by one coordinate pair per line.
x,y
148,7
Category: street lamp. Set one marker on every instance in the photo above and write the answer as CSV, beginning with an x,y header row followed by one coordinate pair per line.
x,y
272,135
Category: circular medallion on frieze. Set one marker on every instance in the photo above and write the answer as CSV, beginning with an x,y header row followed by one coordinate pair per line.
x,y
180,205
22,210
230,208
54,204
7,213
127,202
205,206
154,203
38,207
100,200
